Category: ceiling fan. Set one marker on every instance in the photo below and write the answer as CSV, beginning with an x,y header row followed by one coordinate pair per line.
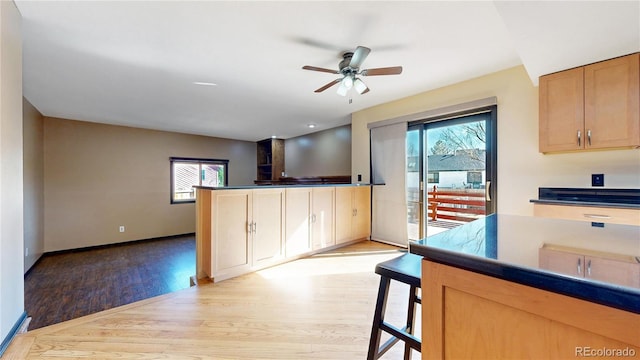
x,y
349,68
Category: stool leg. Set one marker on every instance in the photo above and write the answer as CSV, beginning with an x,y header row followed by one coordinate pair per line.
x,y
411,316
378,318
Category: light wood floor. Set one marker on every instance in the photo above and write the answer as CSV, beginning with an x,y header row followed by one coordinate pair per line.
x,y
315,308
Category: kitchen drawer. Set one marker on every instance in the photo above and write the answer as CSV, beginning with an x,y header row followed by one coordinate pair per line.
x,y
589,213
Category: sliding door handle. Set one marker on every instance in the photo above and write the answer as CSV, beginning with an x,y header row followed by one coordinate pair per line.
x,y
487,194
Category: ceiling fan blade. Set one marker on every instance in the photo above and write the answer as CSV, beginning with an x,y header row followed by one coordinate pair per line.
x,y
394,70
314,68
358,57
328,85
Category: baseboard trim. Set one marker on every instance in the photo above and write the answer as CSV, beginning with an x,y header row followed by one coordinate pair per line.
x,y
12,333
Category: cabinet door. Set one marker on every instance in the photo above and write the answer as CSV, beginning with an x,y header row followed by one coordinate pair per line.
x,y
344,214
561,111
322,217
298,214
612,103
230,235
614,271
561,262
362,212
268,226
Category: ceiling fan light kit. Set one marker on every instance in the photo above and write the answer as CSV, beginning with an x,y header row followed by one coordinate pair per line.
x,y
349,68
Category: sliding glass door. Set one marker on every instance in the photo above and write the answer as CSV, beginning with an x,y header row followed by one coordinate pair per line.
x,y
451,171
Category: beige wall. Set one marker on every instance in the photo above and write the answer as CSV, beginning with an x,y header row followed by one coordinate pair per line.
x,y
33,162
323,153
99,177
521,168
11,189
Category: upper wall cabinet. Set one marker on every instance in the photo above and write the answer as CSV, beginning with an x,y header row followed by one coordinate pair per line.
x,y
591,107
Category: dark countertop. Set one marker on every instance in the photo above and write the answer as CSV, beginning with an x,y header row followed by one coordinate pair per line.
x,y
507,246
596,197
244,187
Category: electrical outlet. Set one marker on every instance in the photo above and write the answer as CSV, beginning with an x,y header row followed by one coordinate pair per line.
x,y
597,179
26,252
121,228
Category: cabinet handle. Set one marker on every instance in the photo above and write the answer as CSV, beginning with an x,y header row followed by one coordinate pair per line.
x,y
579,138
596,216
313,218
589,137
589,268
249,227
579,266
255,226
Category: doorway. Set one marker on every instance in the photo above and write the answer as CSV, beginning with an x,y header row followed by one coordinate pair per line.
x,y
451,171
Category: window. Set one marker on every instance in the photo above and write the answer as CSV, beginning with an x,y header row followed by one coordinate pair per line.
x,y
433,177
457,152
474,177
187,173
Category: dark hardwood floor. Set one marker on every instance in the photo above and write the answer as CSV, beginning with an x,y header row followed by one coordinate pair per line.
x,y
68,285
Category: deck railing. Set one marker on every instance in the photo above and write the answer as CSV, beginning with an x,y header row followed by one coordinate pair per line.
x,y
460,205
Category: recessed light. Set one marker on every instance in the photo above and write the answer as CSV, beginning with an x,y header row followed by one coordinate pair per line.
x,y
311,126
273,136
204,83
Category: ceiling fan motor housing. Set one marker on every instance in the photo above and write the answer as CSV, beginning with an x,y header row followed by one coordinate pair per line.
x,y
344,67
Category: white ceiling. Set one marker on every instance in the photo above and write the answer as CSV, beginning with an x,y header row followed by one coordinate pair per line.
x,y
135,63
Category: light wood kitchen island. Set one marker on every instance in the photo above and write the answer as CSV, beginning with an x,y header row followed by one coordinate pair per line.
x,y
488,291
243,229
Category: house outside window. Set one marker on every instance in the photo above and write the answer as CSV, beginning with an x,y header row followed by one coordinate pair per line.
x,y
189,172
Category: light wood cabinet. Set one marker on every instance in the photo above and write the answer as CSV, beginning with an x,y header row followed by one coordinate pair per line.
x,y
322,217
267,226
231,222
362,217
589,213
596,106
613,268
243,230
561,113
353,213
298,221
238,230
467,315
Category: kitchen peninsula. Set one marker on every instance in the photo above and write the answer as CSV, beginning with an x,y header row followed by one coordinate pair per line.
x,y
525,287
246,228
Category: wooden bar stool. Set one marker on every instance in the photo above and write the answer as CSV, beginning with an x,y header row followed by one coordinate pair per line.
x,y
405,269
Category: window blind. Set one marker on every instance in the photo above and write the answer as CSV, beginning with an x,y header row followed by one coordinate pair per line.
x,y
388,167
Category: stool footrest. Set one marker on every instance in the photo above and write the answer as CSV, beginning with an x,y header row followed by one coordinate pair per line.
x,y
400,334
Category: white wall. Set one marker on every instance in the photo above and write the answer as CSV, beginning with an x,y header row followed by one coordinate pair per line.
x,y
521,168
11,217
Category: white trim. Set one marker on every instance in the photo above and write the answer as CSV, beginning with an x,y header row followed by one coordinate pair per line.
x,y
452,109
